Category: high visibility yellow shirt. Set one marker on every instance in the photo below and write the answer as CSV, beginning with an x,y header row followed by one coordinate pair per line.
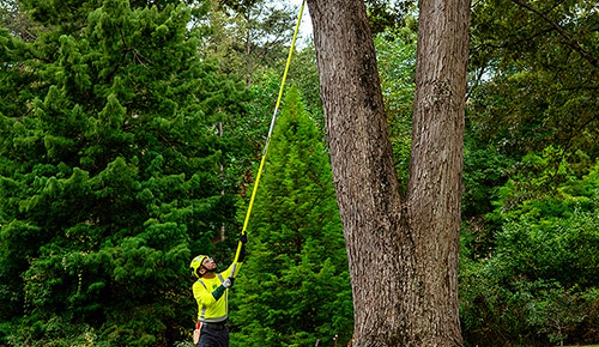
x,y
209,309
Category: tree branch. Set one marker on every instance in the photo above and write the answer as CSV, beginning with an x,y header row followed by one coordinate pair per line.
x,y
569,41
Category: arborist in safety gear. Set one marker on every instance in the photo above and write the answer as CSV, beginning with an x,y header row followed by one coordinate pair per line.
x,y
211,291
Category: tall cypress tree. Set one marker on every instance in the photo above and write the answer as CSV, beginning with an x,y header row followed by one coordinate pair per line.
x,y
109,172
295,287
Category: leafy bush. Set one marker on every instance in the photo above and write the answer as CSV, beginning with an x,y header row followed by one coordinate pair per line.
x,y
538,285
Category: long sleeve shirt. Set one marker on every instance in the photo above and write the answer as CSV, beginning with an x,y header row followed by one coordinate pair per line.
x,y
213,303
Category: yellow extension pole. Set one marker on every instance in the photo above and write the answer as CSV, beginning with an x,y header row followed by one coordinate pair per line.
x,y
272,125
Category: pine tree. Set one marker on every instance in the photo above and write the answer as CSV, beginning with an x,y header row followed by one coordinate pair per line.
x,y
109,172
295,287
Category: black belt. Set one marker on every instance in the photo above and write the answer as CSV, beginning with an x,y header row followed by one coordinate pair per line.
x,y
216,326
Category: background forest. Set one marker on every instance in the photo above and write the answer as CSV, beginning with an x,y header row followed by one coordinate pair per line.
x,y
130,133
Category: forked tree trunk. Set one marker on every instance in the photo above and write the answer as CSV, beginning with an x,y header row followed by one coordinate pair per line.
x,y
403,251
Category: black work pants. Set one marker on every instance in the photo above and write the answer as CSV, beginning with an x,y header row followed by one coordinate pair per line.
x,y
214,337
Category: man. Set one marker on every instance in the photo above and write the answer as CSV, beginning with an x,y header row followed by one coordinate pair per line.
x,y
211,293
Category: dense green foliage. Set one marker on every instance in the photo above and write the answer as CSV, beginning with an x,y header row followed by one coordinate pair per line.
x,y
387,15
295,287
535,63
538,284
109,173
528,269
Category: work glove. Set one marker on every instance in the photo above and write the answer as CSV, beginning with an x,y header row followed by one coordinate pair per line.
x,y
243,238
228,283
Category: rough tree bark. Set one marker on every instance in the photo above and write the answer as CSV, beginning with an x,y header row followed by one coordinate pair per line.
x,y
403,250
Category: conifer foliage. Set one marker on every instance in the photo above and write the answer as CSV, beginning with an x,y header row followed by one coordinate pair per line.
x,y
109,172
295,288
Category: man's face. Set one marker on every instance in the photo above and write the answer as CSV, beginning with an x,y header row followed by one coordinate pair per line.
x,y
209,264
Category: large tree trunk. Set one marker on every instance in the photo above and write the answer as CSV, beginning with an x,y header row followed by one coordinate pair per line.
x,y
403,251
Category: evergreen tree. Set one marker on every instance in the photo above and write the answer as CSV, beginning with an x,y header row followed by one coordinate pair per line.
x,y
295,287
109,173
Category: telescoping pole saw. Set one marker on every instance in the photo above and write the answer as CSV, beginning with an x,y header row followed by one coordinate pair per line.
x,y
272,125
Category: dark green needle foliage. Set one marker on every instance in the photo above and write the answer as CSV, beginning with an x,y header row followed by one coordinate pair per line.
x,y
295,288
109,173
